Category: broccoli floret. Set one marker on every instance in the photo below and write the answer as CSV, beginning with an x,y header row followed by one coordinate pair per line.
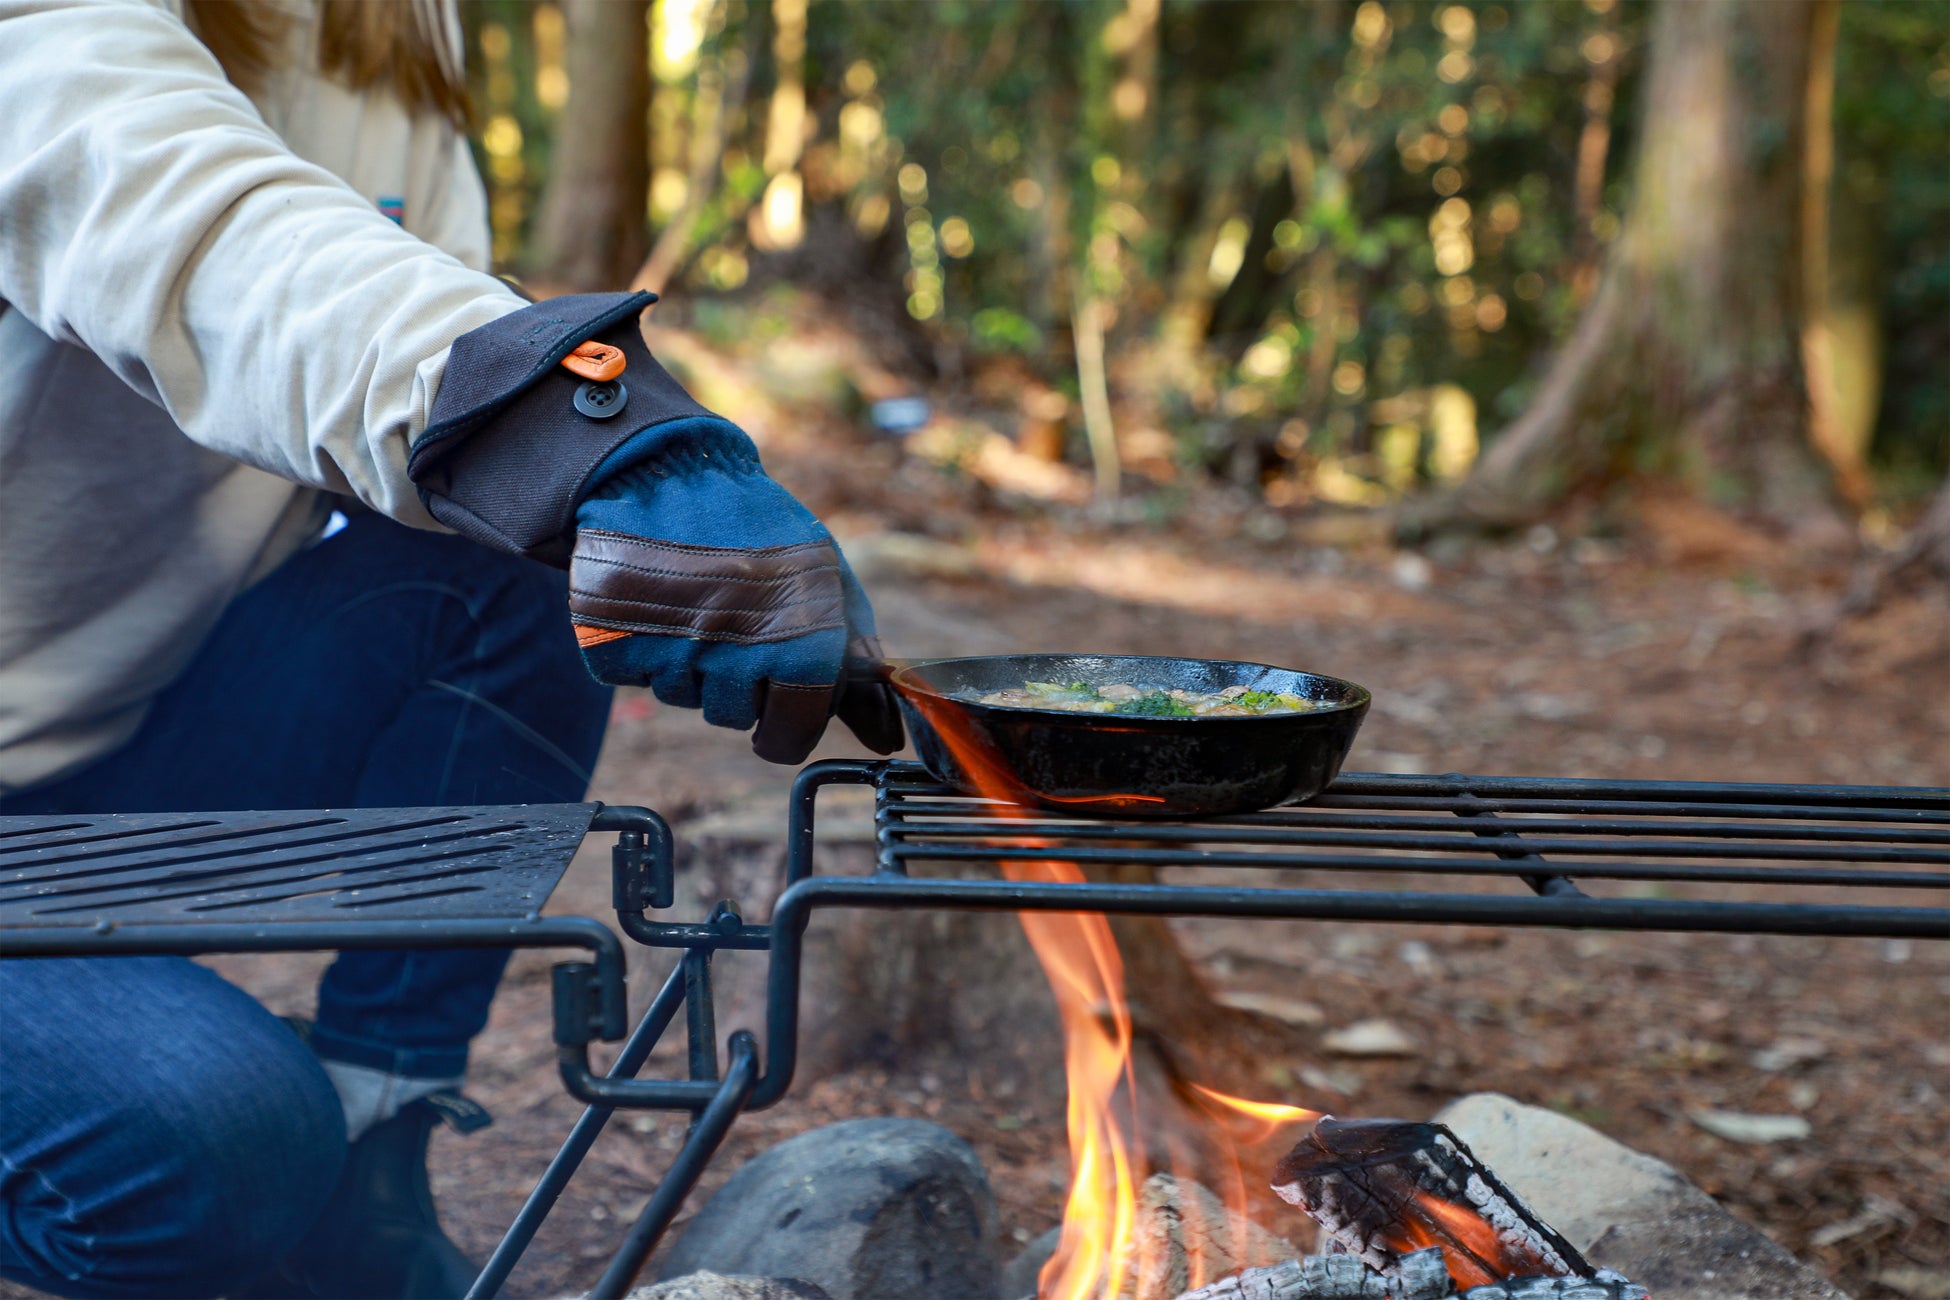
x,y
1060,690
1258,699
1153,704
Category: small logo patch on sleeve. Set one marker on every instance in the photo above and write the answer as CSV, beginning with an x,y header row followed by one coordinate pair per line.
x,y
394,206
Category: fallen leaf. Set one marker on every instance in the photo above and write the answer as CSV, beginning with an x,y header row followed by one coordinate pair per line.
x,y
1342,1083
1917,1283
1291,1010
1787,1053
1737,1127
1876,1213
1370,1038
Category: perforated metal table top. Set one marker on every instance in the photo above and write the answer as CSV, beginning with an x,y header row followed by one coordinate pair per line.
x,y
255,867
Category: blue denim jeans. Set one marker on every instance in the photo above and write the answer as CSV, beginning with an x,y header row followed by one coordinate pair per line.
x,y
161,1133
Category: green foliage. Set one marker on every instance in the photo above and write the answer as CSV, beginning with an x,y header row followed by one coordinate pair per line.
x,y
1892,116
1313,227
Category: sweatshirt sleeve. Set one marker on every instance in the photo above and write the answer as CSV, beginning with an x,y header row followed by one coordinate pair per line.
x,y
151,217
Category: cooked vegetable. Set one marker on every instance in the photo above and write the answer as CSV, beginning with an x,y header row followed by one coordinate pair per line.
x,y
1156,704
1127,700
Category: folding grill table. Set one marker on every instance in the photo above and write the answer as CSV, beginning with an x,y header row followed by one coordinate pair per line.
x,y
1825,860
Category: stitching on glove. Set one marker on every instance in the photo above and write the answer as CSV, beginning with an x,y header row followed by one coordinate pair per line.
x,y
817,598
692,634
716,577
693,548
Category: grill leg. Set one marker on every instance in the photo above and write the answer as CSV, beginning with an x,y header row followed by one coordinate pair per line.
x,y
643,1040
702,1143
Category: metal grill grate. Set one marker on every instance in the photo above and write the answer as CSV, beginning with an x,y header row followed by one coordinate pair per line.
x,y
1811,859
250,867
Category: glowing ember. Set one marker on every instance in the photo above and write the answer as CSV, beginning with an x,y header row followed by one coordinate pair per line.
x,y
1096,1254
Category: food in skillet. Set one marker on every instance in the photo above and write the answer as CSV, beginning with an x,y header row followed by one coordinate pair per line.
x,y
1143,702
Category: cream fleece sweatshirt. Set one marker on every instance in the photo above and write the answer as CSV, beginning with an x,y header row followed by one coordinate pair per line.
x,y
205,314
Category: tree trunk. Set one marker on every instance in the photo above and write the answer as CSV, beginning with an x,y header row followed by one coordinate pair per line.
x,y
1688,362
590,232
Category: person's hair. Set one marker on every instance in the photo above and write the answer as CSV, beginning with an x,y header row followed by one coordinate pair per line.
x,y
362,43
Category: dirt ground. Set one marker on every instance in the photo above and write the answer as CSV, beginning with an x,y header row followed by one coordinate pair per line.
x,y
1666,652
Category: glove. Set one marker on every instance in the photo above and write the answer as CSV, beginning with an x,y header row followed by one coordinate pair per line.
x,y
698,576
557,435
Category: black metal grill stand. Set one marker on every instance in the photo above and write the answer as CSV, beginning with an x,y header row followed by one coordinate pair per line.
x,y
1825,860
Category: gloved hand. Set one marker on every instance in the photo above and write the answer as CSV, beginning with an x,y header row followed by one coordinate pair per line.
x,y
691,571
698,576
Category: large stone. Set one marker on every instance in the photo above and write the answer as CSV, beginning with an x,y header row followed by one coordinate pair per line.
x,y
869,1209
1627,1211
1020,1275
717,1286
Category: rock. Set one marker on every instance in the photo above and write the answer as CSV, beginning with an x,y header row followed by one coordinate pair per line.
x,y
1019,1274
867,1209
1187,1238
1736,1127
1627,1211
1370,1038
718,1286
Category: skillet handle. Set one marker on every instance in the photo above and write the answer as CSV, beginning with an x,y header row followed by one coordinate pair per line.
x,y
873,668
866,702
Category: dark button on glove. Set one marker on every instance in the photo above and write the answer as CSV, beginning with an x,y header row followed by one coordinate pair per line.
x,y
691,571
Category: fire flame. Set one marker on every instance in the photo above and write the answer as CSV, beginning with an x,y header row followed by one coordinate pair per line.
x,y
1482,1259
1096,1253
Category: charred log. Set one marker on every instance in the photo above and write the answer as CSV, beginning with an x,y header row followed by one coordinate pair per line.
x,y
1424,1277
1386,1189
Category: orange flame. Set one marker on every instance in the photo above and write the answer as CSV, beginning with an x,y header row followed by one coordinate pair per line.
x,y
1096,1252
1483,1258
1271,1115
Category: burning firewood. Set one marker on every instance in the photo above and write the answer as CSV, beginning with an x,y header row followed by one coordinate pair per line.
x,y
1186,1236
1386,1189
1421,1276
1420,1219
1343,1277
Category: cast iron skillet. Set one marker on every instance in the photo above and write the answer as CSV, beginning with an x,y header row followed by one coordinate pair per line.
x,y
1127,766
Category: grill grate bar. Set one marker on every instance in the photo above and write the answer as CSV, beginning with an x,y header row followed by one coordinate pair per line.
x,y
1441,837
1545,833
1516,868
1328,817
1492,787
943,802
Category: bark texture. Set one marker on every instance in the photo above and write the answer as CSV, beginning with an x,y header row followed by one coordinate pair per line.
x,y
590,233
1688,361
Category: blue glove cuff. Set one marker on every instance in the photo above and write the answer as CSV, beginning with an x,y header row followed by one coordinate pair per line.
x,y
676,448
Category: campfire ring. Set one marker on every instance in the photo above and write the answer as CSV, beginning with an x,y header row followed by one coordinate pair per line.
x,y
477,877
